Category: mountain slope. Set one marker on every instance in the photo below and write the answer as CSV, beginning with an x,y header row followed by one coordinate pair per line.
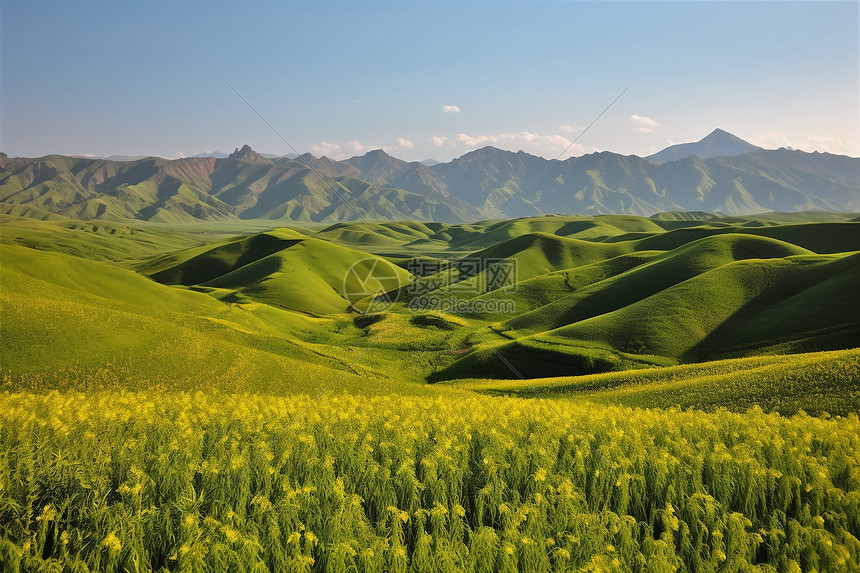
x,y
591,294
661,272
245,185
720,174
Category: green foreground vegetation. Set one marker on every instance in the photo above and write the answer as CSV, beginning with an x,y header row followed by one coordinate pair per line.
x,y
117,481
669,393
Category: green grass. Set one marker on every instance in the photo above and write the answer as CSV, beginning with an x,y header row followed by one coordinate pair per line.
x,y
580,306
281,268
818,237
699,316
100,240
72,323
666,270
545,290
532,357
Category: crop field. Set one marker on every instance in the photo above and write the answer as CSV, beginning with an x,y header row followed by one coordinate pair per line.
x,y
646,395
137,481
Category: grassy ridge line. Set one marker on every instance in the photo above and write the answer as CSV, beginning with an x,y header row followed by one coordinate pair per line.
x,y
676,321
819,232
282,268
546,289
596,323
823,238
815,382
705,315
534,254
236,482
653,276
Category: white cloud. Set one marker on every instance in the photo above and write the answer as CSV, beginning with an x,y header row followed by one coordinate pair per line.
x,y
352,148
823,143
642,130
356,147
771,140
544,145
829,144
331,150
400,144
438,140
568,128
642,121
451,109
341,150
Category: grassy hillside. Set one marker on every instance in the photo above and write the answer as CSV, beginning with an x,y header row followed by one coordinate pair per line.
x,y
634,292
659,273
766,296
100,241
591,294
72,323
282,268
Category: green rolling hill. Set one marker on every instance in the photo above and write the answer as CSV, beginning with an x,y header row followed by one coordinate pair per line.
x,y
677,321
99,303
282,268
661,272
726,293
73,323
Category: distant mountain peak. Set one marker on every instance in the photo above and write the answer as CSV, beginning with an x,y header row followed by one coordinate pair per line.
x,y
248,154
718,143
377,166
215,154
722,135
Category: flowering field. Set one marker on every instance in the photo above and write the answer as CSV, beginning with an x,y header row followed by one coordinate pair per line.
x,y
152,481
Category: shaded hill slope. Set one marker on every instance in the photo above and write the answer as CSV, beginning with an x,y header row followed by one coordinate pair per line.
x,y
282,268
661,272
818,383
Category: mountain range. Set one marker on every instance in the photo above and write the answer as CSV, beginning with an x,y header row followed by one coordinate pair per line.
x,y
720,173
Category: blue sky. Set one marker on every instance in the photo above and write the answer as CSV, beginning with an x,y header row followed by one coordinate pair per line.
x,y
424,79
